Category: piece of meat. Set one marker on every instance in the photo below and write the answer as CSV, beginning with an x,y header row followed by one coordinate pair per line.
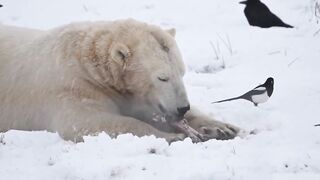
x,y
183,127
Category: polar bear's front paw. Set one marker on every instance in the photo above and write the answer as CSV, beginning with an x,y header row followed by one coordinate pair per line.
x,y
175,137
218,130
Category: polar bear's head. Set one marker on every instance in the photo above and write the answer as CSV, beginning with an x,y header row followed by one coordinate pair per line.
x,y
142,63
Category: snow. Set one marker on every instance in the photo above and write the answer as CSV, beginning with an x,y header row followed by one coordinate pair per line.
x,y
225,58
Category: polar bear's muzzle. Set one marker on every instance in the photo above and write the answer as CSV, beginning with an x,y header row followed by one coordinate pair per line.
x,y
177,116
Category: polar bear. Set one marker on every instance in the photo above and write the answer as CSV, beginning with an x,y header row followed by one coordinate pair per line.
x,y
80,79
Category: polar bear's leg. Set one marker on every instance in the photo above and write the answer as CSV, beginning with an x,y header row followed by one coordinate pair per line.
x,y
73,125
206,125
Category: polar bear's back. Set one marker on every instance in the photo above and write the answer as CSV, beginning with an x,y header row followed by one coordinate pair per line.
x,y
17,34
15,43
12,39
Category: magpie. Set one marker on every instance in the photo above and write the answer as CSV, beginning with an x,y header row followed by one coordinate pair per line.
x,y
259,94
258,14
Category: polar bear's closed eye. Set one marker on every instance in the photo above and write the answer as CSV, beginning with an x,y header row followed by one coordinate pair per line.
x,y
163,78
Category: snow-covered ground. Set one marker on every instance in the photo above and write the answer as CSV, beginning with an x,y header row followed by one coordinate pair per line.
x,y
287,145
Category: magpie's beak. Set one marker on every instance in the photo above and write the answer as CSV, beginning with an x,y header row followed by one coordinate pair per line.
x,y
243,2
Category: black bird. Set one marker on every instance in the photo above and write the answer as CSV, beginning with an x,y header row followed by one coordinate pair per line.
x,y
259,94
0,5
258,14
317,125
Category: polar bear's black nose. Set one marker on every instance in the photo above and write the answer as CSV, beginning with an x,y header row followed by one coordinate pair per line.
x,y
183,110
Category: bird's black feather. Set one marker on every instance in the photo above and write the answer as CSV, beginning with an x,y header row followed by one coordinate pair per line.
x,y
258,14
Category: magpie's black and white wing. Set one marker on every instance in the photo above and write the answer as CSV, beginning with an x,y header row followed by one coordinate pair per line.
x,y
259,95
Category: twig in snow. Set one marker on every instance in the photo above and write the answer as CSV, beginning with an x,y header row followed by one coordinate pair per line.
x,y
85,8
296,59
274,52
233,150
227,43
215,50
2,139
223,66
218,56
317,32
317,10
231,169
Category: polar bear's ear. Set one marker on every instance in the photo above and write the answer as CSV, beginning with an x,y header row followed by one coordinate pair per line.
x,y
172,32
120,52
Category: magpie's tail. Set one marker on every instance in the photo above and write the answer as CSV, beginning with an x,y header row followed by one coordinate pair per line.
x,y
317,125
287,25
231,99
